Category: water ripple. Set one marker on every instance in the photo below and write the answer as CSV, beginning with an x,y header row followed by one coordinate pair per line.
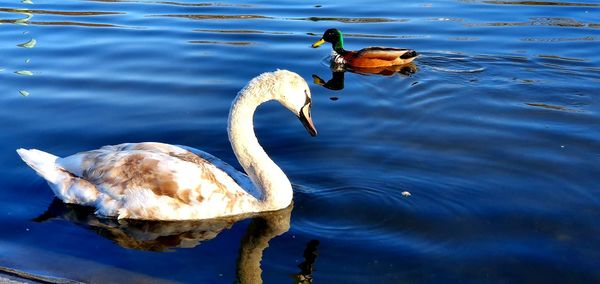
x,y
553,39
213,17
538,21
543,3
62,13
242,32
65,23
350,20
562,58
254,17
172,3
30,12
234,43
451,62
350,213
552,107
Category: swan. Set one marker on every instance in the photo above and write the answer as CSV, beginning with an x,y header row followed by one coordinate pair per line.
x,y
157,181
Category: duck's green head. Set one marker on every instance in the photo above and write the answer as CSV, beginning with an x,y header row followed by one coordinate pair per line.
x,y
333,36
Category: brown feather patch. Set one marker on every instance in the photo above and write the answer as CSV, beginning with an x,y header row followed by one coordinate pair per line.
x,y
119,169
189,157
131,171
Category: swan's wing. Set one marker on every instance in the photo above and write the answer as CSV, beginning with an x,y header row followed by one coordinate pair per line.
x,y
84,163
239,177
142,176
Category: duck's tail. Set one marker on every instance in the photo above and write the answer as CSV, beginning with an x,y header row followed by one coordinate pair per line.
x,y
409,54
66,186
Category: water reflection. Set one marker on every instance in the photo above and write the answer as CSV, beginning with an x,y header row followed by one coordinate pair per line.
x,y
242,32
214,17
537,21
24,72
172,3
23,21
552,107
28,13
232,43
161,236
307,266
29,44
559,39
156,235
542,3
344,20
336,83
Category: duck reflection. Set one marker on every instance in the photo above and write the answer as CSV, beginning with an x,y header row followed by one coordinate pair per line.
x,y
167,235
338,71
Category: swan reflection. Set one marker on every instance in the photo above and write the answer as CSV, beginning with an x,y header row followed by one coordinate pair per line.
x,y
338,71
163,236
307,266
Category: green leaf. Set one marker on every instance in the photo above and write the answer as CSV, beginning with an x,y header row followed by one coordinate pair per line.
x,y
29,44
24,72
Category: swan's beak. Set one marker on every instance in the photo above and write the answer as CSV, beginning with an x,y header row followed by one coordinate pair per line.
x,y
319,42
306,120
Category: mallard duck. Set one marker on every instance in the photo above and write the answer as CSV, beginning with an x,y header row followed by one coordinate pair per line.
x,y
370,57
157,181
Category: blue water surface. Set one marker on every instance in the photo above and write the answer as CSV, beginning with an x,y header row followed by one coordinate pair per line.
x,y
494,131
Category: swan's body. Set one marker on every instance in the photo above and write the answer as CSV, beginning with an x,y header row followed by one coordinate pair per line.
x,y
156,181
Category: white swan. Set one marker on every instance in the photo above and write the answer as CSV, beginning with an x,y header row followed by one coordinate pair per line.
x,y
156,181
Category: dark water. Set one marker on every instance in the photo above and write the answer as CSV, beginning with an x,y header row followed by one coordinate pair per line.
x,y
495,132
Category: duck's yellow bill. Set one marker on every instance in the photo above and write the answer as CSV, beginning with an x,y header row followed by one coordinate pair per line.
x,y
317,80
319,42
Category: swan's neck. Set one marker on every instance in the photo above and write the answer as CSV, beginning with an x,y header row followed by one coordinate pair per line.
x,y
275,188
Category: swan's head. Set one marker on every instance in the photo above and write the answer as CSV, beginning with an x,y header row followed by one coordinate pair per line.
x,y
292,91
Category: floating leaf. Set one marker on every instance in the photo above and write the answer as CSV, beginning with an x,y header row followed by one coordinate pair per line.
x,y
24,72
24,93
29,44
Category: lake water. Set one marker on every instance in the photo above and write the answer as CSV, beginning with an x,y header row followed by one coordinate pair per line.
x,y
494,132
